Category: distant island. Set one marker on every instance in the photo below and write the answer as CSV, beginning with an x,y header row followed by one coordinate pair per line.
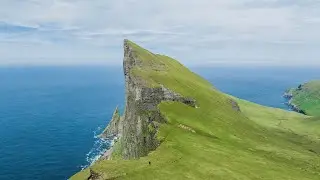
x,y
305,98
176,125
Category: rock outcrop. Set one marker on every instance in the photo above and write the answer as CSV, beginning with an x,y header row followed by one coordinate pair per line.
x,y
115,126
235,105
138,126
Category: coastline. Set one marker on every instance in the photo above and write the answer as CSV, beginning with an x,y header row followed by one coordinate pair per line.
x,y
289,97
108,152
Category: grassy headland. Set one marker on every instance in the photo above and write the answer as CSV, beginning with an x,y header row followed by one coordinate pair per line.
x,y
306,98
215,141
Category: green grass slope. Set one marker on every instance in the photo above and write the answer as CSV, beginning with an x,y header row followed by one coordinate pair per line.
x,y
307,97
214,141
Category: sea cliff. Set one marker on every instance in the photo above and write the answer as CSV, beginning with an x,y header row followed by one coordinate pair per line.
x,y
305,98
136,129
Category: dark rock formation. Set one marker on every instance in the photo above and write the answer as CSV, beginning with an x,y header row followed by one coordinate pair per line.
x,y
93,175
235,105
295,107
287,95
115,126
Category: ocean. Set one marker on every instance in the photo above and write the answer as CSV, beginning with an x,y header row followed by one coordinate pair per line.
x,y
50,116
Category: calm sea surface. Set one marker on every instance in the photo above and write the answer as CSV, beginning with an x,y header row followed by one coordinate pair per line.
x,y
49,116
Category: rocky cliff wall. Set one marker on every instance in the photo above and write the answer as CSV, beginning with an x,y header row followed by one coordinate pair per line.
x,y
138,126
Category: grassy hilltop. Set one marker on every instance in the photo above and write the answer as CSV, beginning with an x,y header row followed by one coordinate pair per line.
x,y
307,97
215,140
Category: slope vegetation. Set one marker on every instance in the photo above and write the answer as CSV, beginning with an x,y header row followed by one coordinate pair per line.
x,y
221,138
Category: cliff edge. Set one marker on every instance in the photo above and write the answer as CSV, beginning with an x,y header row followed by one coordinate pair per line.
x,y
136,130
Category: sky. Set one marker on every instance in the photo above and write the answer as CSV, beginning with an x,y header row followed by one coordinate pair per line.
x,y
196,32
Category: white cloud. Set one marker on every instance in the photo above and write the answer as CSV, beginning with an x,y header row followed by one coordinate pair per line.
x,y
268,32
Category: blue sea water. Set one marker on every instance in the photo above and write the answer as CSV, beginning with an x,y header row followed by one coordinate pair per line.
x,y
262,85
49,116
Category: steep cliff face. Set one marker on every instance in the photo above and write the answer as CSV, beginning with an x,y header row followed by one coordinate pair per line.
x,y
138,126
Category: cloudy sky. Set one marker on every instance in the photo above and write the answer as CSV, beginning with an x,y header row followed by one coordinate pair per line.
x,y
197,32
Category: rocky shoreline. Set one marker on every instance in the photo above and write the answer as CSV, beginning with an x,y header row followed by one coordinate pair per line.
x,y
107,154
289,97
112,133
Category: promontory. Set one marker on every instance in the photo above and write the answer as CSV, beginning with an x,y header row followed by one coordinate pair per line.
x,y
176,125
305,98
